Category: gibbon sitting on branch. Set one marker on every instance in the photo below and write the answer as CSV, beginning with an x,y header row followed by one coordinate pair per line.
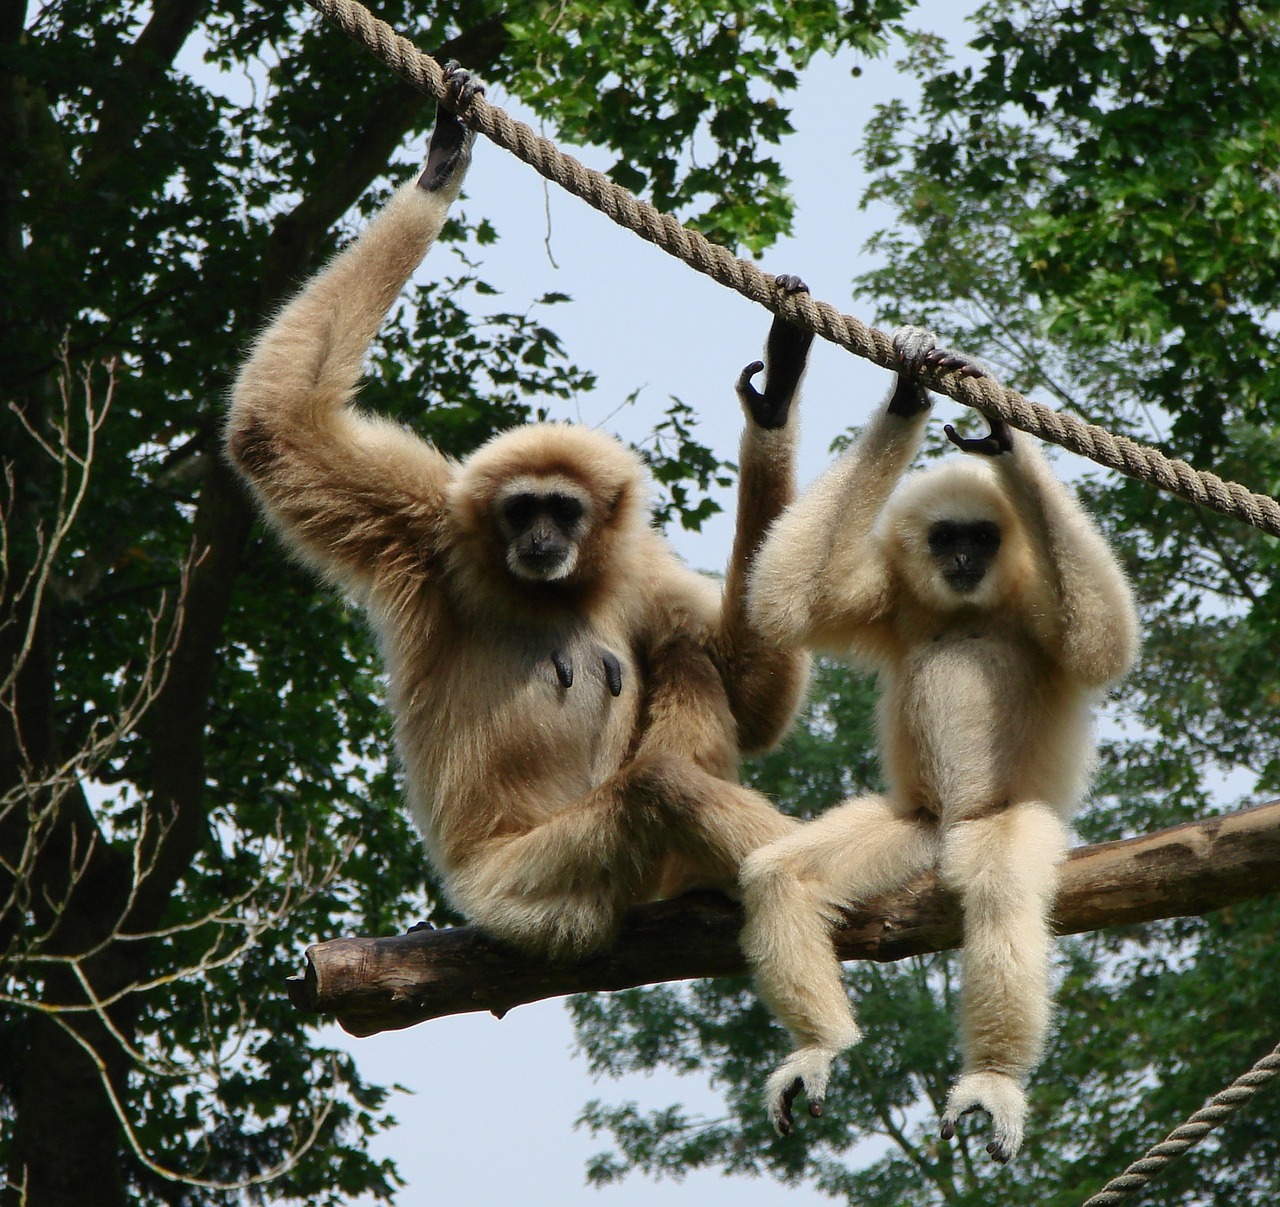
x,y
995,614
570,700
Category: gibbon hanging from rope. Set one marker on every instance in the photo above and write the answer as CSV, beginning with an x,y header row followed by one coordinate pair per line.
x,y
570,700
994,614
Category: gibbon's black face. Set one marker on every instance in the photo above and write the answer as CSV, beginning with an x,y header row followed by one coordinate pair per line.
x,y
964,551
542,530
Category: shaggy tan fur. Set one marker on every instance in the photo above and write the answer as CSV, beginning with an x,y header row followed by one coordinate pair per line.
x,y
985,734
547,808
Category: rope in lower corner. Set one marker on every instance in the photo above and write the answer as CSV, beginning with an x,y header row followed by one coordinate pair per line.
x,y
1127,456
1220,1107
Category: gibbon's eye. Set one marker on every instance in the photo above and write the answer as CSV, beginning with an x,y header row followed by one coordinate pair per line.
x,y
519,510
565,510
943,537
985,535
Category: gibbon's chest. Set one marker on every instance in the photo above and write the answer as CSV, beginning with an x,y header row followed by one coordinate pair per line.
x,y
957,711
964,671
543,712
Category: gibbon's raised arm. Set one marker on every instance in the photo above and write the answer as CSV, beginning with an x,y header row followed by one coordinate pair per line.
x,y
1093,622
819,576
763,680
354,493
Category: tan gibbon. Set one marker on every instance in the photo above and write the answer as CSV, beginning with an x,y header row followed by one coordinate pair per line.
x,y
994,614
570,700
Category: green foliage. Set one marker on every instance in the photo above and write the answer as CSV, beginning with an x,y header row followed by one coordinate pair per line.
x,y
680,466
1086,201
169,172
687,94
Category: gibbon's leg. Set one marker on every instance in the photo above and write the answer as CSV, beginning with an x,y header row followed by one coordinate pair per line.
x,y
1004,867
561,887
689,740
793,890
672,818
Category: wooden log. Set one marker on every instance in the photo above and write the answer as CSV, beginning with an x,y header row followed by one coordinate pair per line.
x,y
380,984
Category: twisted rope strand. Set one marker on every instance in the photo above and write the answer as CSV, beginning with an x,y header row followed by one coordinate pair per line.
x,y
1215,1111
1115,452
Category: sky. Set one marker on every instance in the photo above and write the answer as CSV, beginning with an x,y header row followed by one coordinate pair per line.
x,y
489,1109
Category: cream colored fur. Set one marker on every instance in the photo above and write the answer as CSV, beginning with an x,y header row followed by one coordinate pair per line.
x,y
985,733
547,809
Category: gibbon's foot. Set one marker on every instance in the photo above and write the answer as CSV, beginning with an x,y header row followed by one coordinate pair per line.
x,y
450,150
1001,1098
807,1069
787,350
998,440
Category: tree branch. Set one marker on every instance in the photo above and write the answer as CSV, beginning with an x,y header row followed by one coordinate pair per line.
x,y
373,985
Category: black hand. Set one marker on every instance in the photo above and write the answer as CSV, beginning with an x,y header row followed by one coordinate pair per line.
x,y
787,353
998,440
786,1124
909,399
450,150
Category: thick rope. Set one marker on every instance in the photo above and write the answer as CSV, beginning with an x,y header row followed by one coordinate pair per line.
x,y
1115,452
1217,1109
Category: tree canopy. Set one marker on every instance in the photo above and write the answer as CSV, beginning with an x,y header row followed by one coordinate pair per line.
x,y
1085,201
194,779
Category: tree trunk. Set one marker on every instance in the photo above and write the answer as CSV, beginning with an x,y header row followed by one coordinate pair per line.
x,y
372,985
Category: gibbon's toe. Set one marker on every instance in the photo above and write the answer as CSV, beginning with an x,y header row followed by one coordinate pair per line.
x,y
998,1096
807,1070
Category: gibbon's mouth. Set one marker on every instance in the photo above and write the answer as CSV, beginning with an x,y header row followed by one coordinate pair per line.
x,y
965,582
541,567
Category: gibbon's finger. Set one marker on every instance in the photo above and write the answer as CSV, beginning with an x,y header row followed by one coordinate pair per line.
x,y
788,345
612,673
944,361
463,86
748,394
999,1153
564,668
949,1124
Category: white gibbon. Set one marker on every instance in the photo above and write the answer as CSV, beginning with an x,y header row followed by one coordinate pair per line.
x,y
995,614
570,700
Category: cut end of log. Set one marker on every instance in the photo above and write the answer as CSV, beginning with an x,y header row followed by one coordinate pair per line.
x,y
302,990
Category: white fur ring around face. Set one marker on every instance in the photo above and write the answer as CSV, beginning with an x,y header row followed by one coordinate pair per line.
x,y
1002,1098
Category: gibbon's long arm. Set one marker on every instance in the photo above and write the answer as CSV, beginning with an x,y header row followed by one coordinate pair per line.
x,y
819,576
1090,624
762,679
355,493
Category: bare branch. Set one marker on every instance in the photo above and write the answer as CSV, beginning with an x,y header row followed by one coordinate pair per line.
x,y
380,984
